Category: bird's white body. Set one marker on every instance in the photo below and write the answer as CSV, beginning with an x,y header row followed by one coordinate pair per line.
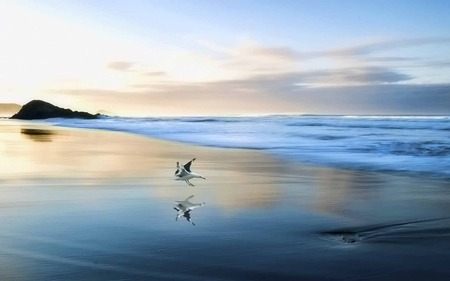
x,y
184,173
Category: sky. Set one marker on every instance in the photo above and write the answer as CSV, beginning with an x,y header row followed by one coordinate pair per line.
x,y
232,57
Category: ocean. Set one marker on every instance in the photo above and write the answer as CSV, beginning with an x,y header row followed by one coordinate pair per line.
x,y
414,145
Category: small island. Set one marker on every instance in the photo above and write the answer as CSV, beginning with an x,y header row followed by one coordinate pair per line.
x,y
38,109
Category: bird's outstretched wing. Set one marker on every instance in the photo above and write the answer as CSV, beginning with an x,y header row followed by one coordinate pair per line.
x,y
187,166
181,171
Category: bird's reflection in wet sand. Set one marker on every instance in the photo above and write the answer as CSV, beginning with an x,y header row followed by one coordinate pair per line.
x,y
39,135
185,207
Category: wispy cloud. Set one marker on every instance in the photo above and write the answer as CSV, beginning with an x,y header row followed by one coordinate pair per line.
x,y
154,73
381,45
276,53
120,65
343,76
231,97
253,78
369,75
376,99
353,64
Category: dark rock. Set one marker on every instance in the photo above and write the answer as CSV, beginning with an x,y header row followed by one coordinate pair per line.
x,y
38,109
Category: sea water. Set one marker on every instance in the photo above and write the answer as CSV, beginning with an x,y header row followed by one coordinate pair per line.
x,y
416,145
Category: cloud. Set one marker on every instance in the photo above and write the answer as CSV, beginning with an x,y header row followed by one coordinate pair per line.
x,y
120,65
268,94
391,59
375,99
249,57
358,63
315,78
372,75
210,61
381,45
154,73
250,48
357,49
252,78
276,53
435,64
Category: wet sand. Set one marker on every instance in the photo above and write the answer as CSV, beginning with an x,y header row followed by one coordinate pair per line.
x,y
94,205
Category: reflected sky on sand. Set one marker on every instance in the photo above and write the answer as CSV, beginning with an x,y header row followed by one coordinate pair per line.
x,y
95,205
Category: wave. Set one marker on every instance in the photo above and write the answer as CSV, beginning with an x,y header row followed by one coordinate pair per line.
x,y
440,124
421,148
367,126
398,117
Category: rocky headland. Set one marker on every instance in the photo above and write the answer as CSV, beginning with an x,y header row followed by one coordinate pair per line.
x,y
38,109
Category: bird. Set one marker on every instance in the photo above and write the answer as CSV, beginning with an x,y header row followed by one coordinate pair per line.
x,y
184,172
185,207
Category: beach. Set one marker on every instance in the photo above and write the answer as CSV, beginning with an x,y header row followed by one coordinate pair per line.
x,y
82,204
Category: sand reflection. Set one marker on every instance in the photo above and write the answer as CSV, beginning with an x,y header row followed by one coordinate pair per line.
x,y
236,179
184,208
40,135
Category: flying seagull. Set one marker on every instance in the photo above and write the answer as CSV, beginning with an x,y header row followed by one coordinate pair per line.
x,y
185,207
184,173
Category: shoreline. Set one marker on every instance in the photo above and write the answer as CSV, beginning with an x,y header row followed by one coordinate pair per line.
x,y
92,156
409,157
42,134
